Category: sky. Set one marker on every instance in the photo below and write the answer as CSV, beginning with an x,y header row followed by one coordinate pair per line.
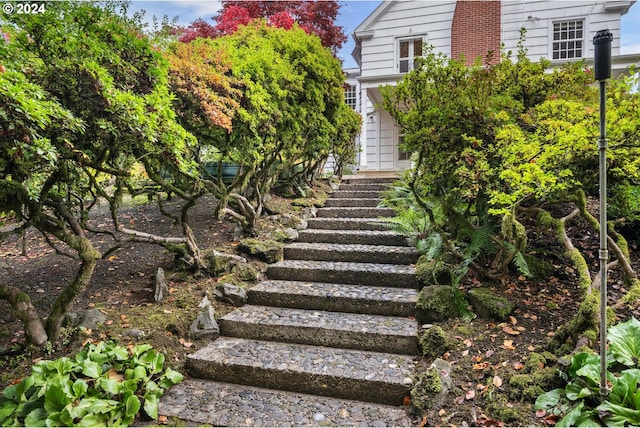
x,y
352,13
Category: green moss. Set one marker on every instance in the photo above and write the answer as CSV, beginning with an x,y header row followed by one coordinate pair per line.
x,y
428,384
464,330
535,362
521,381
434,342
489,305
584,276
302,202
539,268
433,272
500,409
532,393
435,303
268,251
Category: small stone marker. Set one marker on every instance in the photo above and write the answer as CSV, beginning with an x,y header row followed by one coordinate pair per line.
x,y
161,285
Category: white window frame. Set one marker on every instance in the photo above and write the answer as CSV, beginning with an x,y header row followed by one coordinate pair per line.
x,y
351,96
412,56
583,40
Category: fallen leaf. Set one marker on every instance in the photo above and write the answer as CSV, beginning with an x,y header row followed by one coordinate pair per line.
x,y
522,278
108,322
459,400
470,395
167,311
521,329
468,343
509,330
465,352
513,320
423,422
541,413
508,344
162,419
531,348
480,366
497,381
406,400
518,366
442,412
123,317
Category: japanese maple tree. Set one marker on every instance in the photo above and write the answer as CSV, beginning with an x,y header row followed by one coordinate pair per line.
x,y
315,17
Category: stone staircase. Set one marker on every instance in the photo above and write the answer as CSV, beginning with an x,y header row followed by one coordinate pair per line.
x,y
328,340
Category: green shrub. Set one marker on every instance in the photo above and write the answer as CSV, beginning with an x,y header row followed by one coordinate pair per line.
x,y
105,384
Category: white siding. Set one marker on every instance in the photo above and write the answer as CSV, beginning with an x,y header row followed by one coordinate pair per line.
x,y
537,18
428,19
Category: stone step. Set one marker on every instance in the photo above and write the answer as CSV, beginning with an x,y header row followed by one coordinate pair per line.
x,y
362,299
361,187
353,202
348,223
346,194
340,373
203,402
364,237
380,333
370,180
399,255
355,212
376,274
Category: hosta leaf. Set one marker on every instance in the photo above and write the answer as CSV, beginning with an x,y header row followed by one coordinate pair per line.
x,y
624,342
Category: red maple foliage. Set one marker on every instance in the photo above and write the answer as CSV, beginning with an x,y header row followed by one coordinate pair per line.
x,y
314,16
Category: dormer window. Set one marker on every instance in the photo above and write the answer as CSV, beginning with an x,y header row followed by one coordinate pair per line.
x,y
409,51
568,39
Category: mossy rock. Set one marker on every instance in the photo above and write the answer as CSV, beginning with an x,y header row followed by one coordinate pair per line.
x,y
217,263
434,342
435,303
428,386
489,305
433,271
303,202
246,272
268,251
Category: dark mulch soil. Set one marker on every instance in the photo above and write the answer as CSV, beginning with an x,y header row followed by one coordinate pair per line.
x,y
486,356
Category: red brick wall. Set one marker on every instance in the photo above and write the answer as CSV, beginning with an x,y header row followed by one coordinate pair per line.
x,y
476,30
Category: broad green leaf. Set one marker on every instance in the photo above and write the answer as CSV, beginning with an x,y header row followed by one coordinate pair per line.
x,y
576,390
151,405
615,415
171,377
80,387
7,408
55,399
93,420
11,392
139,373
549,400
110,386
91,369
132,406
578,416
580,360
624,342
36,418
591,373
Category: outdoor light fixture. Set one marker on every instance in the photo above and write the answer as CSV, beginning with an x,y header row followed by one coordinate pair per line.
x,y
602,63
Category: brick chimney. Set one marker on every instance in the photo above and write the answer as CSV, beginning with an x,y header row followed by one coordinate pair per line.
x,y
475,30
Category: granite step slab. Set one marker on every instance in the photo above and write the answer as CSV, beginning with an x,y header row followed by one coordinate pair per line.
x,y
204,402
380,333
370,180
376,377
352,202
348,223
361,299
400,255
355,212
362,237
346,194
360,187
375,274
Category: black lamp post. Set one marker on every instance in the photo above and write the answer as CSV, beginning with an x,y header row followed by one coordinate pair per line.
x,y
602,60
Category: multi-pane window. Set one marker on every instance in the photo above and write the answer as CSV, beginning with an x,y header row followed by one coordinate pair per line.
x,y
351,96
410,50
568,39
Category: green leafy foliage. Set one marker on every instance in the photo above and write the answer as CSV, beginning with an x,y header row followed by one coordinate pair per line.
x,y
105,384
580,402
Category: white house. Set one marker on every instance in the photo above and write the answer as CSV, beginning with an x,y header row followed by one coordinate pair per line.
x,y
389,39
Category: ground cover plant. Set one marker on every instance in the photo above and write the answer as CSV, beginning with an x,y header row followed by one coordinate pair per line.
x,y
103,385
